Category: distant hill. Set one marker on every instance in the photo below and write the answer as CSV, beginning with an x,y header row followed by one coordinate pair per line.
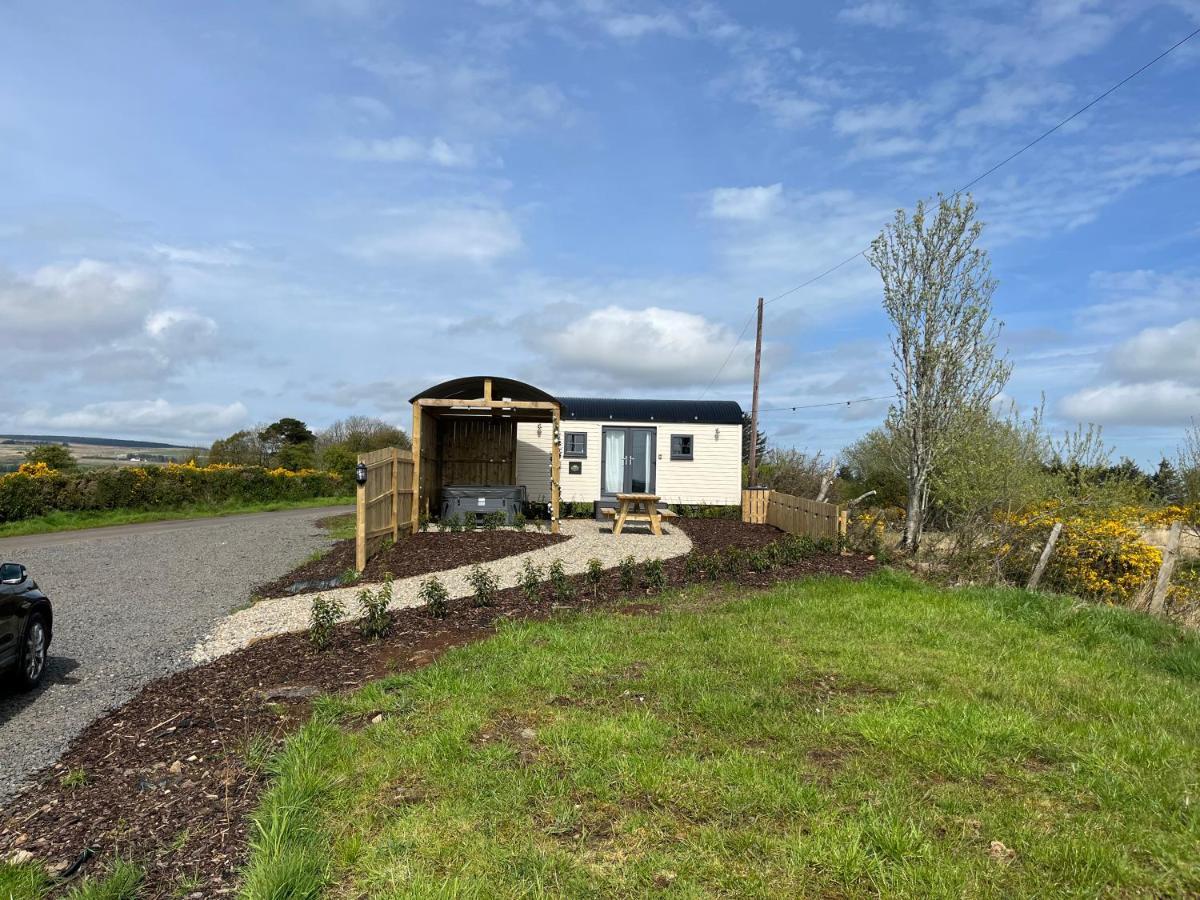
x,y
93,441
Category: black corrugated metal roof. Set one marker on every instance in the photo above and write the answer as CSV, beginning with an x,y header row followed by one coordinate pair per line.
x,y
603,409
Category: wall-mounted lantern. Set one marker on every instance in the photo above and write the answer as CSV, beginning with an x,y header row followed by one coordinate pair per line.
x,y
360,474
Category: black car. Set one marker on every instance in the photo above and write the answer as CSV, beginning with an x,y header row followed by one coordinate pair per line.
x,y
26,623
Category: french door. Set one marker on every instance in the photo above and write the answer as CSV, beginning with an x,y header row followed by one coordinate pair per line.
x,y
627,461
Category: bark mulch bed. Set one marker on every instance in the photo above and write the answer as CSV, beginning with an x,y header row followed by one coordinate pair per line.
x,y
168,779
420,554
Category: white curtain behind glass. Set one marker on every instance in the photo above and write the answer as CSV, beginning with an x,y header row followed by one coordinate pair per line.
x,y
614,462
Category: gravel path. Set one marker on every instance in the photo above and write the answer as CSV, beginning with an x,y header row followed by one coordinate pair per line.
x,y
129,605
588,539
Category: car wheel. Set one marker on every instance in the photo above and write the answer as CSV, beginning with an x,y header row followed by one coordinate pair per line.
x,y
32,664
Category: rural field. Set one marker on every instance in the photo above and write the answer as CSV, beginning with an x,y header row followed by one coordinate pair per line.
x,y
91,452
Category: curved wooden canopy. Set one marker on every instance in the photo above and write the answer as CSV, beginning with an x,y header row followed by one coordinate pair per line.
x,y
473,388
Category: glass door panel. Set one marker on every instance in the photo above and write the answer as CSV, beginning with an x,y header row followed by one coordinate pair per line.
x,y
613,475
638,477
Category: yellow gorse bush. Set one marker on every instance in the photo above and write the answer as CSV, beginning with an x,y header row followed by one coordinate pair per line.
x,y
33,470
1100,554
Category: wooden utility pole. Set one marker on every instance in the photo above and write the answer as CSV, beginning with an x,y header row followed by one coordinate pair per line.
x,y
754,401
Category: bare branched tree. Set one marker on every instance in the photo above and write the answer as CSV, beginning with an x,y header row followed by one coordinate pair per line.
x,y
937,290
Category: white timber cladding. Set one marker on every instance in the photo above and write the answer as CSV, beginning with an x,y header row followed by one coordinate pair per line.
x,y
713,476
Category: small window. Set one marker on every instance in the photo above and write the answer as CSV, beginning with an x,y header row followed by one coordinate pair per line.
x,y
681,446
575,444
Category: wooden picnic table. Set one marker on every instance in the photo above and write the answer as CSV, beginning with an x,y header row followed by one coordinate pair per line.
x,y
628,511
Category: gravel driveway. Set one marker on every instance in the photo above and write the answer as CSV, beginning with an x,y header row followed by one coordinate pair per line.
x,y
129,605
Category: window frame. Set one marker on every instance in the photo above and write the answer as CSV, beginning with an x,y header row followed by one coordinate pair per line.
x,y
577,453
680,454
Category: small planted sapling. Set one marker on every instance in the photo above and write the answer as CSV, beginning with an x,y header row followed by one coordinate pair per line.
x,y
531,580
628,570
483,582
435,597
376,620
323,619
560,584
654,576
594,575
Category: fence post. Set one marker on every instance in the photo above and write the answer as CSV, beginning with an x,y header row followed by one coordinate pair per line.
x,y
360,530
1168,566
1036,576
395,495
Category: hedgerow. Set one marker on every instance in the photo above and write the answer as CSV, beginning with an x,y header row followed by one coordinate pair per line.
x,y
36,489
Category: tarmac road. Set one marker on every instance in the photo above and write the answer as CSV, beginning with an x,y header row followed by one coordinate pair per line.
x,y
130,601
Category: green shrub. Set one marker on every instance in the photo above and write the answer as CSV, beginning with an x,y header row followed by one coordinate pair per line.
x,y
494,520
734,561
560,584
759,560
435,597
38,490
654,576
530,580
628,569
376,621
594,575
519,521
483,582
323,619
692,566
713,567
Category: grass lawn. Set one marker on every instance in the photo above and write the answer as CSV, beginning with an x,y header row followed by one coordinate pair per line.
x,y
825,738
73,521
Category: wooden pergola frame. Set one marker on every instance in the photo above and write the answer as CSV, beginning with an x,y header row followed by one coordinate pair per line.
x,y
486,406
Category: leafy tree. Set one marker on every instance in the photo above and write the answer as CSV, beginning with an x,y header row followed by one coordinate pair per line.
x,y
289,443
792,471
242,448
360,434
1166,483
937,291
56,456
760,439
874,463
338,445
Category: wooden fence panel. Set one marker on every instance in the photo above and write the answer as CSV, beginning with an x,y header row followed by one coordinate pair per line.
x,y
754,505
796,515
384,503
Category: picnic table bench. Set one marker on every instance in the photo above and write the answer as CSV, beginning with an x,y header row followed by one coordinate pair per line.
x,y
628,511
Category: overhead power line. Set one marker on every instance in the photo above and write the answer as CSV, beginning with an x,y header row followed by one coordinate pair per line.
x,y
819,405
978,178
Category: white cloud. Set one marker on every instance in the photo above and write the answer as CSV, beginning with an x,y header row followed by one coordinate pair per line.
x,y
231,254
1156,353
648,348
1009,101
65,306
1168,403
903,116
636,25
746,204
1129,300
467,94
142,418
403,149
879,13
442,234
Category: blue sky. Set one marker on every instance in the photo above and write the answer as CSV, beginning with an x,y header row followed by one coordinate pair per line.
x,y
216,214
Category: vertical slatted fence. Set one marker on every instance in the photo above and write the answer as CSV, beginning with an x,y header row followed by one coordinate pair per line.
x,y
795,515
384,503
